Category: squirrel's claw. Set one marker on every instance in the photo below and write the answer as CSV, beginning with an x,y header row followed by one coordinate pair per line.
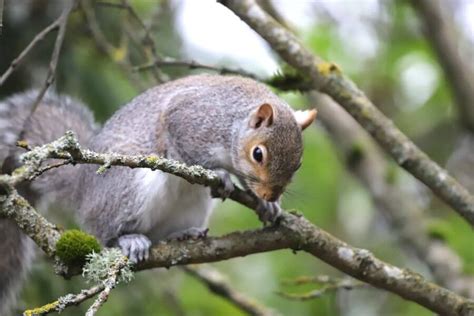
x,y
135,246
193,233
268,212
227,187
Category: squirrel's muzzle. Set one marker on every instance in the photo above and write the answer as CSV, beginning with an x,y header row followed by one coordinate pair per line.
x,y
270,194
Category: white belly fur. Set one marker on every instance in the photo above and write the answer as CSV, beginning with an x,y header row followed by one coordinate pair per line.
x,y
170,204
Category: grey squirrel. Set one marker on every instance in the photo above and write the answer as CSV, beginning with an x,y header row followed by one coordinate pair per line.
x,y
230,124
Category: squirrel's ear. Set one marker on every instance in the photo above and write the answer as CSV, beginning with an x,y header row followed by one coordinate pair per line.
x,y
305,118
263,116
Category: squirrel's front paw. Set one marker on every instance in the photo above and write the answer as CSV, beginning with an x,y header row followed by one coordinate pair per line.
x,y
193,233
268,211
135,246
226,189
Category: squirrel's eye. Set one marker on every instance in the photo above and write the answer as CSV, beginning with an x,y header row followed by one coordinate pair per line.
x,y
257,154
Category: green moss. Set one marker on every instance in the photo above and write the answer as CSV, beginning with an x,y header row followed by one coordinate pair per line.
x,y
289,79
355,154
74,245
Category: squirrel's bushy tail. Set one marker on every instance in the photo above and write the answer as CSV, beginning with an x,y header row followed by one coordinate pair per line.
x,y
51,119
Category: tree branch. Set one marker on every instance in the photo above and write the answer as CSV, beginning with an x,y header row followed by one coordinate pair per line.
x,y
38,38
64,301
401,211
292,232
328,78
216,283
63,19
440,30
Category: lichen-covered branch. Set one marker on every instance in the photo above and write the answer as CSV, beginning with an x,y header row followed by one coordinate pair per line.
x,y
216,283
401,210
38,228
64,301
328,78
109,284
295,232
292,232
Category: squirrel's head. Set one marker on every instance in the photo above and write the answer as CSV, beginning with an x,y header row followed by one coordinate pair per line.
x,y
271,149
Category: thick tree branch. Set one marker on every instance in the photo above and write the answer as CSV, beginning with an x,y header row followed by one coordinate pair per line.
x,y
440,30
292,232
328,78
400,210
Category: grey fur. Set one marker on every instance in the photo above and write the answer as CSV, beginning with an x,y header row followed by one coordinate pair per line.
x,y
198,113
54,115
203,119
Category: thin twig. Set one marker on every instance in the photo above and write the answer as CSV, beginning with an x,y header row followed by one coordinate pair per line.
x,y
109,285
148,41
63,19
38,38
191,64
217,283
328,78
329,285
105,47
1,17
64,301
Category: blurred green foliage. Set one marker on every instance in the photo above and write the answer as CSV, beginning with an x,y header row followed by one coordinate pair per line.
x,y
322,190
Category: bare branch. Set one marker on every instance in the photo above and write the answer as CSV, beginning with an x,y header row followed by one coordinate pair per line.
x,y
217,283
38,38
328,78
1,17
171,62
329,285
54,59
440,30
105,47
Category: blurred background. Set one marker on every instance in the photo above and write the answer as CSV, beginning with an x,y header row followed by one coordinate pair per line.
x,y
345,185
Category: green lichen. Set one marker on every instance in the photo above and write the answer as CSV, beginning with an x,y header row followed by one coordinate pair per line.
x,y
326,68
19,171
152,159
74,245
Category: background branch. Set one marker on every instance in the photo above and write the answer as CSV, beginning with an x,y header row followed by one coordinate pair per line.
x,y
217,283
440,30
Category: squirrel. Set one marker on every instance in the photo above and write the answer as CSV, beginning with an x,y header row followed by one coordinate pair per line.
x,y
230,124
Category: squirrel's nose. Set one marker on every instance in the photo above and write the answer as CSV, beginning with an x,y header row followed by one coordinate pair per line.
x,y
268,194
